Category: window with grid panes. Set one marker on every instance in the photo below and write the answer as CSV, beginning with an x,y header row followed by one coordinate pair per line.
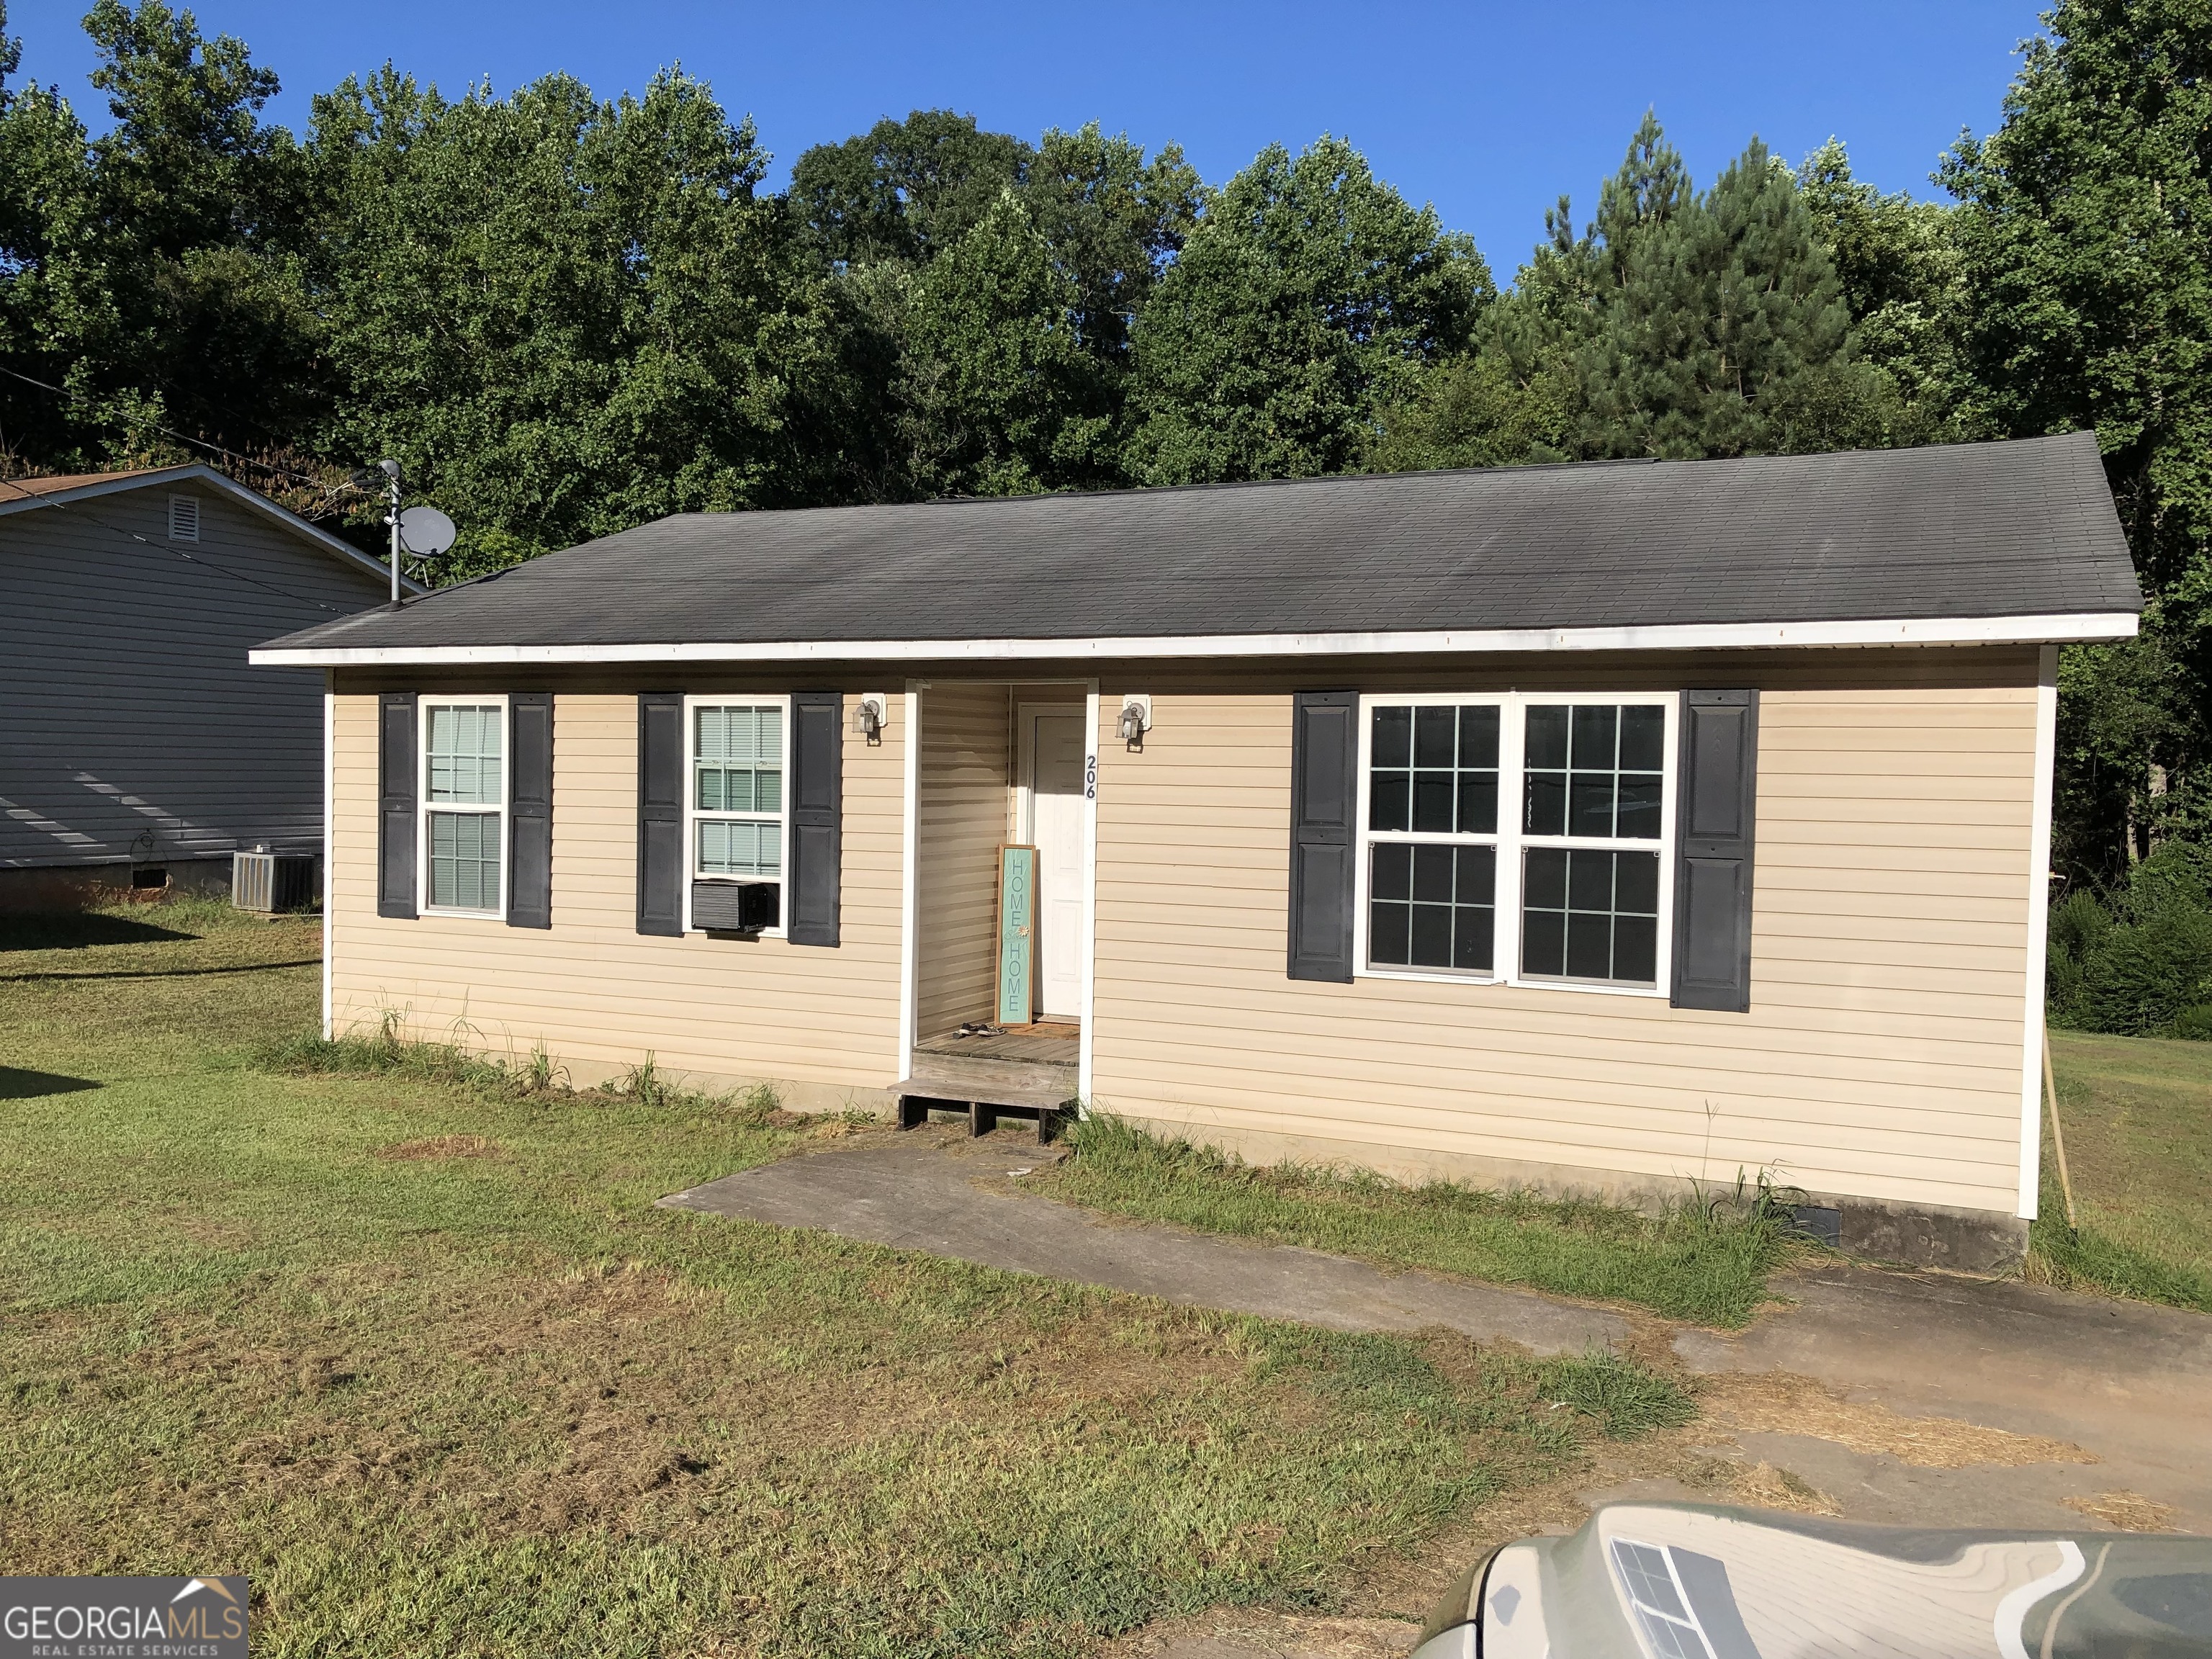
x,y
1432,778
1593,782
464,801
737,790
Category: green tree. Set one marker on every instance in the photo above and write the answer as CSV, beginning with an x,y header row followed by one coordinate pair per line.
x,y
1898,265
1113,221
1000,397
904,190
566,316
1651,192
155,272
1305,301
1518,396
1478,409
45,189
1725,333
2085,237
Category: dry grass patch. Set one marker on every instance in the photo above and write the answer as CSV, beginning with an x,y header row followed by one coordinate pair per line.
x,y
439,1146
2130,1512
1779,1403
1761,1485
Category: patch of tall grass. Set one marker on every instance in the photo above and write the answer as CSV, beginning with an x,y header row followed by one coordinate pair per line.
x,y
1706,1258
385,1049
2089,1259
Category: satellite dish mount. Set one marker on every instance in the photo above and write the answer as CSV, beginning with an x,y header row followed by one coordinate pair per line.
x,y
423,531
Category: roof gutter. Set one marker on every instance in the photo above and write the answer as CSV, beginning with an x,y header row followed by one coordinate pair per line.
x,y
1682,636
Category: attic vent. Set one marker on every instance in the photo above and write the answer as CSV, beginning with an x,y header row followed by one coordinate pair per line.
x,y
184,518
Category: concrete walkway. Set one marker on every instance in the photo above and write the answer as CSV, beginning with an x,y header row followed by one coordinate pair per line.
x,y
2104,1408
2130,1383
962,1198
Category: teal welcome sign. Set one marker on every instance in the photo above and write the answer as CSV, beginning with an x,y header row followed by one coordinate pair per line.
x,y
1017,933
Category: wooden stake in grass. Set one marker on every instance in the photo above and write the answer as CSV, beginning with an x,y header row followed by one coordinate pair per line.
x,y
2057,1134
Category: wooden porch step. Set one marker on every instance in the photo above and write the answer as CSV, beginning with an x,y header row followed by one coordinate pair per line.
x,y
957,1075
984,1103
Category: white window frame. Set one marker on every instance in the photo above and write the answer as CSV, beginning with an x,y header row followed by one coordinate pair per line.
x,y
424,805
781,702
1510,842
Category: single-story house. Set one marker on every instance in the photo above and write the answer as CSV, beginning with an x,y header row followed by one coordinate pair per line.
x,y
137,748
1609,827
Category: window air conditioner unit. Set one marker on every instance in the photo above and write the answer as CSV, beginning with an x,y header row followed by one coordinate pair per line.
x,y
735,907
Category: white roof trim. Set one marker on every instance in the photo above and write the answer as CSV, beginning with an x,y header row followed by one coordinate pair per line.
x,y
1683,636
199,472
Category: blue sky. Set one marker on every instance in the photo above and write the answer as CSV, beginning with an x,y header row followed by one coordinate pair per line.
x,y
1488,110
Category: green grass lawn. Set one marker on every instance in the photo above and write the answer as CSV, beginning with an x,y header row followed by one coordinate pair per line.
x,y
423,1359
1695,1263
2138,1116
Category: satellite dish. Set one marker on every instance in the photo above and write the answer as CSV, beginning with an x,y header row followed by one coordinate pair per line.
x,y
426,532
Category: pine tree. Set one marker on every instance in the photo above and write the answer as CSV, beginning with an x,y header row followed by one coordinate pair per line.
x,y
1518,396
1726,328
1651,190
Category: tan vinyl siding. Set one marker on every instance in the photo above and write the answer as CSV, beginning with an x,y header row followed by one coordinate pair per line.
x,y
1881,1058
131,726
599,995
967,763
1883,1055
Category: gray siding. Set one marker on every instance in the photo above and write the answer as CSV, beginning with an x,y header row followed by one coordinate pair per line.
x,y
131,725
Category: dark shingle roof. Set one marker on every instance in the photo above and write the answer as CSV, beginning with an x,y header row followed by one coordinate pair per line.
x,y
2022,528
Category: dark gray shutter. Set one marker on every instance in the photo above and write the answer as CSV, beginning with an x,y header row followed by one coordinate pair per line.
x,y
397,767
660,812
1324,794
817,799
1712,878
530,810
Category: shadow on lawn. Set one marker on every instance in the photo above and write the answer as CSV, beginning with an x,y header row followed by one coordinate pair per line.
x,y
78,930
167,973
17,1084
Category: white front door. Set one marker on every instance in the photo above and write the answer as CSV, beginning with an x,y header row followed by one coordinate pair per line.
x,y
1056,755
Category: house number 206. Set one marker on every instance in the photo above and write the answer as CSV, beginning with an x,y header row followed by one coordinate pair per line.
x,y
1091,777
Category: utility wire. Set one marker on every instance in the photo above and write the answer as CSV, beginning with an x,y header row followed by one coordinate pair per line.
x,y
322,484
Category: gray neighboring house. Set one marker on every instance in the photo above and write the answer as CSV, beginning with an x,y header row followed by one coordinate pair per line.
x,y
136,747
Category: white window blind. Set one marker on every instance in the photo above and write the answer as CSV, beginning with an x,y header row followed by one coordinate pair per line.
x,y
465,803
736,788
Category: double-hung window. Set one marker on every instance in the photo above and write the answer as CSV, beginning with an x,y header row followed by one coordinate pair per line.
x,y
1516,837
737,805
464,805
1432,821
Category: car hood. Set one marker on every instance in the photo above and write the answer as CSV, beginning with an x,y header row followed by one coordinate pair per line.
x,y
1686,1580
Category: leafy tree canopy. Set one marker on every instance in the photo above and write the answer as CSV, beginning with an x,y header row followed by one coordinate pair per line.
x,y
905,189
1309,294
1001,398
578,313
2084,236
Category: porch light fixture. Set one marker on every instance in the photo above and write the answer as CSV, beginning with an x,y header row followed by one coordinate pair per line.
x,y
868,716
1136,718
